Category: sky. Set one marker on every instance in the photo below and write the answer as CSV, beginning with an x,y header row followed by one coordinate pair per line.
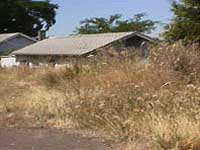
x,y
71,12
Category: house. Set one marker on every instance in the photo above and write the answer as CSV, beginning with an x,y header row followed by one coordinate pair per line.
x,y
65,50
11,42
14,41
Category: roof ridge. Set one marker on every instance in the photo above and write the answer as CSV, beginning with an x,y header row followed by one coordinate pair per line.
x,y
101,33
89,35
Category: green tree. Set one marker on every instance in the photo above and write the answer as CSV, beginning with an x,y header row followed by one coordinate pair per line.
x,y
115,24
186,23
26,16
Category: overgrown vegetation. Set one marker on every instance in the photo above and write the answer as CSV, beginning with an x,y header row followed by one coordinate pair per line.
x,y
152,105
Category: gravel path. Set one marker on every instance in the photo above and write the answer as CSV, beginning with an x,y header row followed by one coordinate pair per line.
x,y
42,139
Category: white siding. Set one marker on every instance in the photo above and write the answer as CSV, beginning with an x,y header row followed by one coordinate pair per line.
x,y
7,62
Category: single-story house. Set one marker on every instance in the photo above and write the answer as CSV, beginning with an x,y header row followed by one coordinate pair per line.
x,y
10,42
63,50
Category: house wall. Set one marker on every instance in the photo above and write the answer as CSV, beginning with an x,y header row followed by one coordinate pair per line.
x,y
45,59
14,44
8,62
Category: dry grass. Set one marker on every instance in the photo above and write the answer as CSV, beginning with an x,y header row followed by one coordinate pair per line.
x,y
178,57
144,106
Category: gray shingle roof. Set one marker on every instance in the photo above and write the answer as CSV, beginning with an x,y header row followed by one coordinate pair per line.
x,y
7,36
72,45
4,37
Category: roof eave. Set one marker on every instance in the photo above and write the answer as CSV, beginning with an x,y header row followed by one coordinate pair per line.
x,y
70,55
16,35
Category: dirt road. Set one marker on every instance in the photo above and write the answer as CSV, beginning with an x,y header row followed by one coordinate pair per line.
x,y
42,139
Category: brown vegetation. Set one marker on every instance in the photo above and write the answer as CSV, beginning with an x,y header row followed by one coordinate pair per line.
x,y
150,105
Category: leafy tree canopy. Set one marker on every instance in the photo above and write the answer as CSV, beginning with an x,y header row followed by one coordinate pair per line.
x,y
115,24
26,16
186,24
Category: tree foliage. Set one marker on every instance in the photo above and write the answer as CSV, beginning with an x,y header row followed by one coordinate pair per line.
x,y
186,24
115,24
26,16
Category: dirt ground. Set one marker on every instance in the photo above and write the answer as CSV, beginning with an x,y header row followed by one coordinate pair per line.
x,y
45,139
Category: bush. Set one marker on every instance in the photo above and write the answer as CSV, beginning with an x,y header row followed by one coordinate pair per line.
x,y
178,57
62,76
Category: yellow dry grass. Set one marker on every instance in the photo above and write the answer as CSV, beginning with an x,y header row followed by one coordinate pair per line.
x,y
143,106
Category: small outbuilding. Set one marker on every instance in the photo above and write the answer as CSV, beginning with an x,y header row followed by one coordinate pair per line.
x,y
66,50
11,42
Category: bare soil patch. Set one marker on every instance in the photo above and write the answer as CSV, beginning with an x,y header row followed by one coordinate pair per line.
x,y
46,139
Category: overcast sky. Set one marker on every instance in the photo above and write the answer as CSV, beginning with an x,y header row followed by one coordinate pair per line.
x,y
71,12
